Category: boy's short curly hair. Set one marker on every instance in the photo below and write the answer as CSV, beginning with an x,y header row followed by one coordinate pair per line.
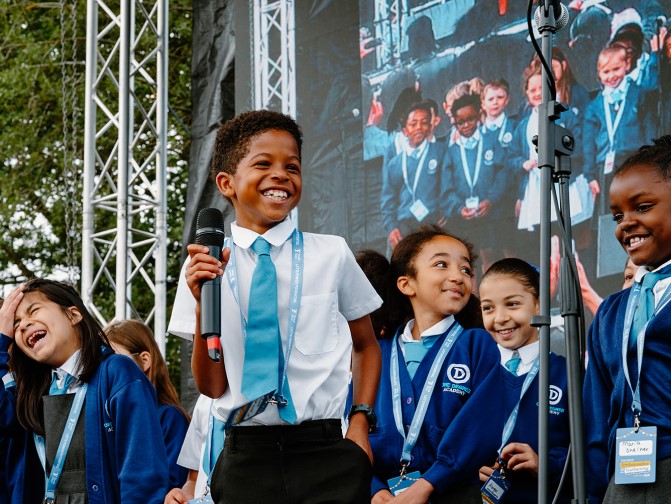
x,y
472,100
235,135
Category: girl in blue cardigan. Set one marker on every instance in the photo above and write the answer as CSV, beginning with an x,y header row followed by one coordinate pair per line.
x,y
432,370
92,413
136,339
509,298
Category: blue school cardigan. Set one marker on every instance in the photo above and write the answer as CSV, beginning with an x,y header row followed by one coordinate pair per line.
x,y
606,395
113,435
446,456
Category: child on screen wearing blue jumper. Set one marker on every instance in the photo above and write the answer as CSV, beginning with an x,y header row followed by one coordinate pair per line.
x,y
634,323
136,340
414,181
64,366
294,449
476,179
509,298
616,123
432,363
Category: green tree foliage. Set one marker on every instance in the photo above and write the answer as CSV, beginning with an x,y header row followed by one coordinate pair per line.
x,y
42,68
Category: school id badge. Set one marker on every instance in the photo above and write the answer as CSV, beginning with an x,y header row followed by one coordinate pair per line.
x,y
472,203
419,210
609,163
494,488
401,483
205,499
636,455
250,410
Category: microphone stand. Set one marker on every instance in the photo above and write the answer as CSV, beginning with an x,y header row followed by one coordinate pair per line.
x,y
554,144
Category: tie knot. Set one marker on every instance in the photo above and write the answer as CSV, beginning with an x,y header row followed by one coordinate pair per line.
x,y
514,362
261,247
652,277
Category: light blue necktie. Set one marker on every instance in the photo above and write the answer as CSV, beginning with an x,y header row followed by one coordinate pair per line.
x,y
262,346
414,353
514,362
646,303
54,389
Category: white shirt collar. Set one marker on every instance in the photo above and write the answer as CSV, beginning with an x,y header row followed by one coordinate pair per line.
x,y
276,235
642,270
434,330
527,353
72,366
420,148
498,122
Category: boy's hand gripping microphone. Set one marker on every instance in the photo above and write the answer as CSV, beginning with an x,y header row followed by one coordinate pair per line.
x,y
210,232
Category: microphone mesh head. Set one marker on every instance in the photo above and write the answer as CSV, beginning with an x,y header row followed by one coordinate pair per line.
x,y
560,23
210,227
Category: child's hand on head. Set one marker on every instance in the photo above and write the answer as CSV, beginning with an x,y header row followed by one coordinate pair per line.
x,y
203,267
8,311
520,457
394,237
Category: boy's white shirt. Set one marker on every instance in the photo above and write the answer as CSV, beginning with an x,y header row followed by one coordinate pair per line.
x,y
332,295
495,123
193,447
660,286
528,354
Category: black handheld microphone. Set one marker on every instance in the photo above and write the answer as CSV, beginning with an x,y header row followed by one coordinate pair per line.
x,y
210,232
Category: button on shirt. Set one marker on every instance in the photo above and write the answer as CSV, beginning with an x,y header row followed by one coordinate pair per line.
x,y
335,290
528,354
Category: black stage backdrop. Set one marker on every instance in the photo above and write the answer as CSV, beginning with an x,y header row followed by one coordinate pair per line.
x,y
336,85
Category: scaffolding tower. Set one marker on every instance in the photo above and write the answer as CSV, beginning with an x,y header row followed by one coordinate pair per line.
x,y
124,239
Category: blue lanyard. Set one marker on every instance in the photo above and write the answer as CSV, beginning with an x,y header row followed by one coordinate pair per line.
x,y
632,302
52,482
294,298
423,403
512,419
467,170
420,166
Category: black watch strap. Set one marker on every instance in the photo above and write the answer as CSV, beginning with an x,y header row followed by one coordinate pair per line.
x,y
366,410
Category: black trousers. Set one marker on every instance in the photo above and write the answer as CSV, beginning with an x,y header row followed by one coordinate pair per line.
x,y
309,463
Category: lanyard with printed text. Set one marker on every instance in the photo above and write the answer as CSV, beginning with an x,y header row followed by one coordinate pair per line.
x,y
294,298
512,419
632,302
420,165
467,171
611,127
63,445
423,403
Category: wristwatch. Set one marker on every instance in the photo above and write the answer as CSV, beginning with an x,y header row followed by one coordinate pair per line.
x,y
366,410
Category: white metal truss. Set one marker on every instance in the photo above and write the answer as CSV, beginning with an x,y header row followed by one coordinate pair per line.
x,y
388,14
274,50
124,240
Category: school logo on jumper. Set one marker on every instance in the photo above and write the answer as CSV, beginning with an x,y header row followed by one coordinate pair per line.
x,y
507,137
489,155
456,375
433,165
555,394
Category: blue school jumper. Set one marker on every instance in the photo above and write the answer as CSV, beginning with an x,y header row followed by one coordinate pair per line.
x,y
606,395
396,199
523,486
636,128
174,426
113,436
492,184
446,457
503,138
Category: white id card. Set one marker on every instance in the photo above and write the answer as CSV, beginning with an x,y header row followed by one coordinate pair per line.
x,y
419,210
472,203
636,456
249,410
609,163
